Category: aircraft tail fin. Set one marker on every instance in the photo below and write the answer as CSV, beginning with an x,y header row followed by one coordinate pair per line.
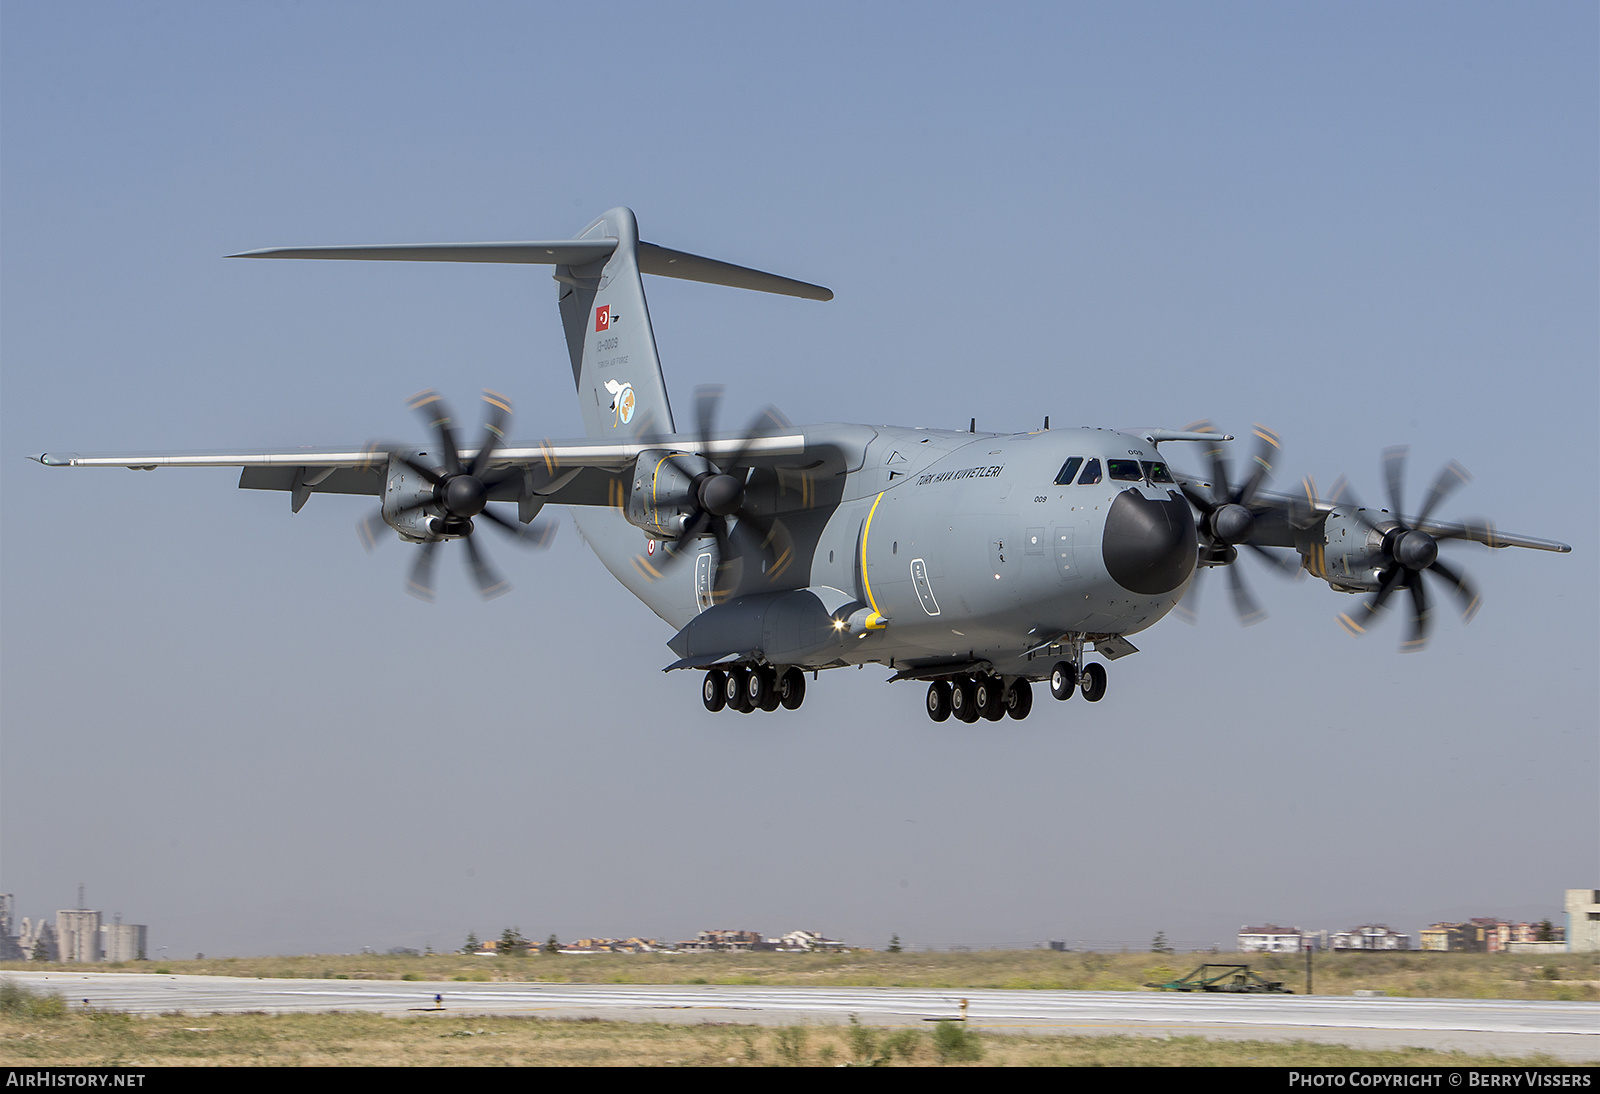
x,y
620,387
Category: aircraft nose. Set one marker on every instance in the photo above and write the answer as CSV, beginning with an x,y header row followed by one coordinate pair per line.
x,y
1149,546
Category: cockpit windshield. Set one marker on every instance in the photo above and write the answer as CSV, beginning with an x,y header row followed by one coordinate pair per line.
x,y
1068,471
1125,470
1156,472
1091,474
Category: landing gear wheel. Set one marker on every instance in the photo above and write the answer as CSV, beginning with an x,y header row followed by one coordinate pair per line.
x,y
1019,699
938,700
963,703
991,697
1063,679
758,688
714,691
738,683
770,676
792,689
1094,682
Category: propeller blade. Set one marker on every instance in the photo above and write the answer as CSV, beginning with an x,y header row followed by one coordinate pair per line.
x,y
538,534
1344,495
770,419
420,583
730,564
707,400
1249,611
1280,563
1418,636
490,583
430,405
1464,589
494,431
1267,444
1188,609
1451,478
370,527
426,472
1394,470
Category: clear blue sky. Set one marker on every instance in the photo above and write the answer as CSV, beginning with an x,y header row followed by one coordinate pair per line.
x,y
1362,224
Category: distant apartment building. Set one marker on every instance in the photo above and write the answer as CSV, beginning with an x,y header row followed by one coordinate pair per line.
x,y
1370,936
1583,920
1271,939
612,945
714,941
78,935
806,942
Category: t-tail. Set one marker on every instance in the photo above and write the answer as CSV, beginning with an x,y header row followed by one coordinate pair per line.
x,y
621,391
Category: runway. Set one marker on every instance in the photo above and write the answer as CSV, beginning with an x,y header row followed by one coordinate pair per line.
x,y
1505,1027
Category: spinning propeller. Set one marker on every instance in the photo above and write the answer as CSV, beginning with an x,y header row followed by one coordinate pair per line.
x,y
460,493
1410,549
1228,521
717,498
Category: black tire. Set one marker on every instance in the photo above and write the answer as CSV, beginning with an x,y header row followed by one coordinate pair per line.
x,y
738,684
938,700
713,692
1094,682
770,677
1019,699
757,688
992,704
1063,679
963,704
792,689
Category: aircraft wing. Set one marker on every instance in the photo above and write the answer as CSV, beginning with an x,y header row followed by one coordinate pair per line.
x,y
553,470
1281,517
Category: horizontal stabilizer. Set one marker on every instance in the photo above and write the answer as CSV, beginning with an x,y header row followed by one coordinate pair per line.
x,y
562,252
669,263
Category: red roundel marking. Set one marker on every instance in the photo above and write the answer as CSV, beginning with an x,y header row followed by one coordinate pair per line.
x,y
650,548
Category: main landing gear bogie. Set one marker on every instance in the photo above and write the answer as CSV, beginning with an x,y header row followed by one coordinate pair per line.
x,y
970,698
748,688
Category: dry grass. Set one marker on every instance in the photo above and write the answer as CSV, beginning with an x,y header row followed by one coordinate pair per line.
x,y
1432,975
110,1039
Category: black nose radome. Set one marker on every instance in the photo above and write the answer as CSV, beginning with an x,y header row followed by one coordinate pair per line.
x,y
1149,546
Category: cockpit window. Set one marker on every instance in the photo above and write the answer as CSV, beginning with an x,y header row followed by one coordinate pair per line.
x,y
1068,471
1156,472
1125,470
1091,474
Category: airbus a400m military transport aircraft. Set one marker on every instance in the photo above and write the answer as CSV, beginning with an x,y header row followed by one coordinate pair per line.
x,y
976,562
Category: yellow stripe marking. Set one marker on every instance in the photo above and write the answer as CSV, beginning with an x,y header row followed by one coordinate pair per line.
x,y
866,530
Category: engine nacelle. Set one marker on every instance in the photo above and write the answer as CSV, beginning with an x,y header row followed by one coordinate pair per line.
x,y
405,488
1349,554
662,499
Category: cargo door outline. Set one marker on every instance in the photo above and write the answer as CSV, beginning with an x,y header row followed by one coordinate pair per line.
x,y
919,580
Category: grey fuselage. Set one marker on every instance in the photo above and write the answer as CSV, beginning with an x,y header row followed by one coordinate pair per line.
x,y
958,547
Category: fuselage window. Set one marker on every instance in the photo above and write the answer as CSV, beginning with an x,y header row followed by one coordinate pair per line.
x,y
1091,474
1125,470
1156,472
1068,471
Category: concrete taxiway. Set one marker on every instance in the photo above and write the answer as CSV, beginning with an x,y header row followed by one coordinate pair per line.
x,y
1503,1027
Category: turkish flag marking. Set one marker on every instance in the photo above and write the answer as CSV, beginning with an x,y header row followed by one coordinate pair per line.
x,y
602,318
